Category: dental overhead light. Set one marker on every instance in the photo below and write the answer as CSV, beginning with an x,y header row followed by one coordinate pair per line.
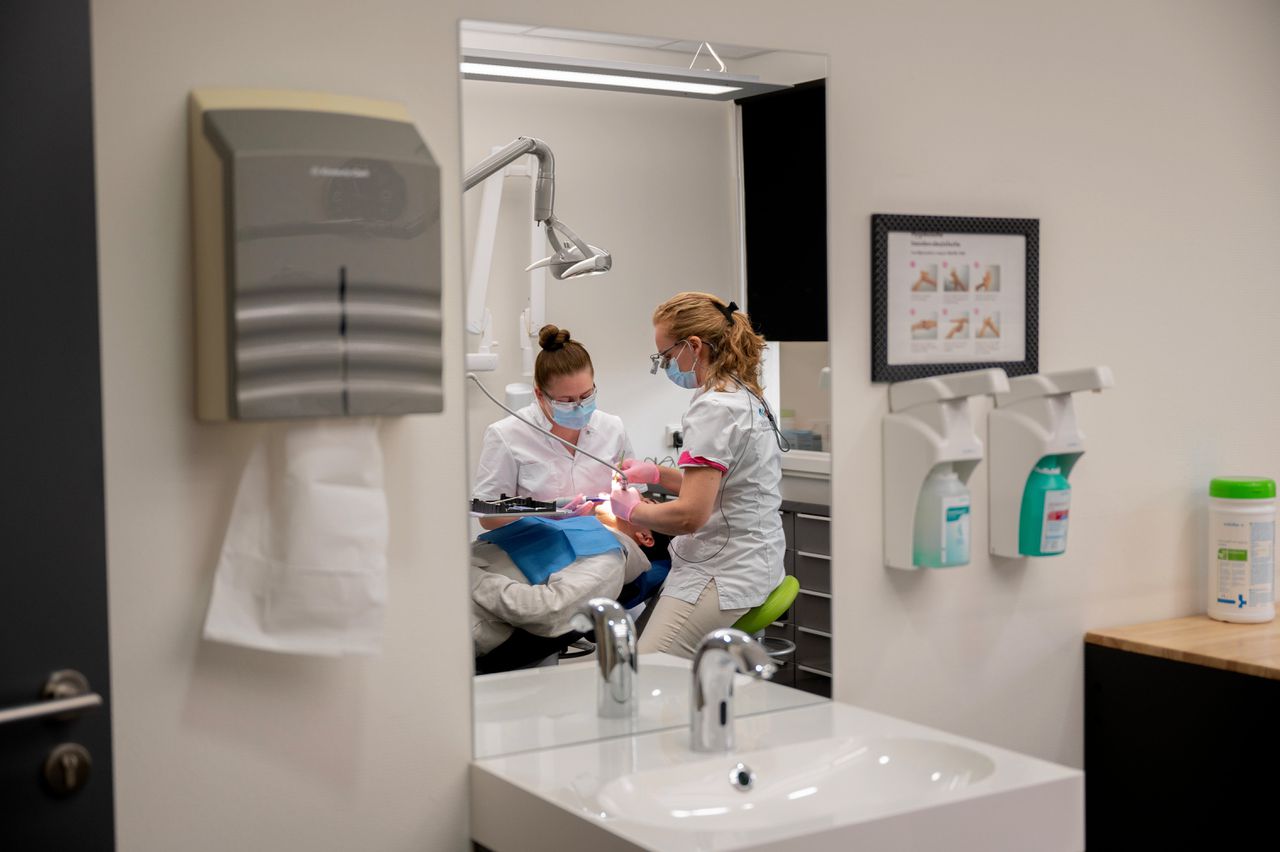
x,y
571,256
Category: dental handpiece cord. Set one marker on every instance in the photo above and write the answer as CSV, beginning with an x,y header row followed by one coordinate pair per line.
x,y
534,426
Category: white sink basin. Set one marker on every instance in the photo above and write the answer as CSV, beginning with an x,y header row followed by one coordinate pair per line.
x,y
801,782
827,777
556,705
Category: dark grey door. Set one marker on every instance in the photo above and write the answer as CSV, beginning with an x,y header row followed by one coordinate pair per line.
x,y
53,601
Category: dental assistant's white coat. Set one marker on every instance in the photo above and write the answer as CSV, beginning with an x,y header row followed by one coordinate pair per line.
x,y
741,546
520,462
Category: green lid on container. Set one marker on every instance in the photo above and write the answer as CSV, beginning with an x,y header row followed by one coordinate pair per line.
x,y
1242,488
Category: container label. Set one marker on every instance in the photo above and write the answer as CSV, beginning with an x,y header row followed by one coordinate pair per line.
x,y
1262,538
1053,531
955,529
1245,570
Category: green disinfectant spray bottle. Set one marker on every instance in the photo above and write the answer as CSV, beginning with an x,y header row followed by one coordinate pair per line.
x,y
1046,507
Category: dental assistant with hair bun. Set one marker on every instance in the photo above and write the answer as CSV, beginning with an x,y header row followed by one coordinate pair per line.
x,y
518,461
728,552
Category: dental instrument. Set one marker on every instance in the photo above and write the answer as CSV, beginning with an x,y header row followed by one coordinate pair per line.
x,y
518,506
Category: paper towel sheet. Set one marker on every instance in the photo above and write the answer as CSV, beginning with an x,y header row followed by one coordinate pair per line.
x,y
303,568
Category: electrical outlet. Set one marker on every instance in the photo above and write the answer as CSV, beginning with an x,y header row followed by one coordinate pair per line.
x,y
669,434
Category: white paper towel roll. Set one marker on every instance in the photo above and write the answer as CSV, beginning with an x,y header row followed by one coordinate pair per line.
x,y
303,568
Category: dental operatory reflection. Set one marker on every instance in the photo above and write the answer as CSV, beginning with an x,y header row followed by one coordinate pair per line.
x,y
571,514
956,298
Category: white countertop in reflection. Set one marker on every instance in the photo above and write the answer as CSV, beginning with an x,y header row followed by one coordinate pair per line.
x,y
554,706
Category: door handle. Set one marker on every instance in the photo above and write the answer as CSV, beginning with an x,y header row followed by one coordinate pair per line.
x,y
66,695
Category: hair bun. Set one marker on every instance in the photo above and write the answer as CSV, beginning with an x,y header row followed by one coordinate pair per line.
x,y
552,338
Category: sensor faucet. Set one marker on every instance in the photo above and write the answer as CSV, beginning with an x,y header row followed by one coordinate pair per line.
x,y
721,654
616,654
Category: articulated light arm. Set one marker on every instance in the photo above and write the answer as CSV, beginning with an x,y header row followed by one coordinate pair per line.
x,y
544,186
572,257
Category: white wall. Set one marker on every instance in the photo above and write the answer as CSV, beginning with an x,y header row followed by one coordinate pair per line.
x,y
216,747
1141,134
652,180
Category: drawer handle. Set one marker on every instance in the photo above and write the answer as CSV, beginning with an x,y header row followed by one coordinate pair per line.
x,y
813,632
814,594
813,555
813,517
812,670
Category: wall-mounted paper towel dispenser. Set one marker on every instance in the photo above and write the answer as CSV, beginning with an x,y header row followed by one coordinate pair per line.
x,y
317,257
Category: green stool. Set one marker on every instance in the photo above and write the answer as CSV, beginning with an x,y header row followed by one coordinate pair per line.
x,y
756,619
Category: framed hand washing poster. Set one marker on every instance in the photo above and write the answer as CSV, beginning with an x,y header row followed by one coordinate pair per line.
x,y
953,293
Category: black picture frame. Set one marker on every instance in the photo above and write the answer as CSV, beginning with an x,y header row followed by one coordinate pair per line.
x,y
882,225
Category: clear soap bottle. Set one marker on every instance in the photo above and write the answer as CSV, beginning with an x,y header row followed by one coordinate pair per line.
x,y
941,535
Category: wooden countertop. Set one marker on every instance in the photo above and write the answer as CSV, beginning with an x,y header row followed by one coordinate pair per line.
x,y
1252,649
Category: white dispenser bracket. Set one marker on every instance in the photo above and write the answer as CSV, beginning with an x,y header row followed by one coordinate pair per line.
x,y
928,425
1033,419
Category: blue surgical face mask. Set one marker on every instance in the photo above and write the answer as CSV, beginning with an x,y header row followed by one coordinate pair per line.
x,y
572,415
687,379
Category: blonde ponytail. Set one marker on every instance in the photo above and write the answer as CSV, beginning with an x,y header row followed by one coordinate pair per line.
x,y
734,347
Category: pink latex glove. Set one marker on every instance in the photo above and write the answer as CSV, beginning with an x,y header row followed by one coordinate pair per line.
x,y
579,506
623,502
640,471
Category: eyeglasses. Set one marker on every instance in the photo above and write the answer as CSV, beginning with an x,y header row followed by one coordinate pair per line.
x,y
662,359
575,401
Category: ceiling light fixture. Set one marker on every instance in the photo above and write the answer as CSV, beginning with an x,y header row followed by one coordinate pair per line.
x,y
609,76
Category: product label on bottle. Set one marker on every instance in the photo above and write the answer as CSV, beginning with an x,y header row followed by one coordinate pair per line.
x,y
1262,540
1233,567
1245,565
1053,531
955,530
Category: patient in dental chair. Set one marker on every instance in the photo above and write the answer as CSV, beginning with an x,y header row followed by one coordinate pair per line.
x,y
530,577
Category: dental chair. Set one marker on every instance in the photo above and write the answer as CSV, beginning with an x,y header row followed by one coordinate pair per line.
x,y
524,650
641,591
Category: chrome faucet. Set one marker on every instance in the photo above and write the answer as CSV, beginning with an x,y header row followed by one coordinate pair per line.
x,y
722,653
616,653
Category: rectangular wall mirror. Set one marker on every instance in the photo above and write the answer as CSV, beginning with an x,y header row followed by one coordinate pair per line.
x,y
625,170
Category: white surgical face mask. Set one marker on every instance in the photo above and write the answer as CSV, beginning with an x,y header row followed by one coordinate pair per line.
x,y
687,379
573,415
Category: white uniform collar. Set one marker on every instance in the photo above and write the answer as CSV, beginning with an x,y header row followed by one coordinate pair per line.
x,y
534,412
731,385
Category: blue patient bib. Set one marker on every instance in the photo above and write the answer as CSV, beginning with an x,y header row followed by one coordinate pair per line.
x,y
540,547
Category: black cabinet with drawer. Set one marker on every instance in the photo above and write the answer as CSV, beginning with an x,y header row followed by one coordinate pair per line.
x,y
808,623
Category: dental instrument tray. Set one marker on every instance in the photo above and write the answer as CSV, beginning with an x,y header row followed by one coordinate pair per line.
x,y
512,506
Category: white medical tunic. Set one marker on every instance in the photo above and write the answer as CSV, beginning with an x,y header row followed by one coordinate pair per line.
x,y
741,546
520,462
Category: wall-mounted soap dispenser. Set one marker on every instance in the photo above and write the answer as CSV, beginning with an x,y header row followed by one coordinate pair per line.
x,y
1035,444
930,451
316,225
